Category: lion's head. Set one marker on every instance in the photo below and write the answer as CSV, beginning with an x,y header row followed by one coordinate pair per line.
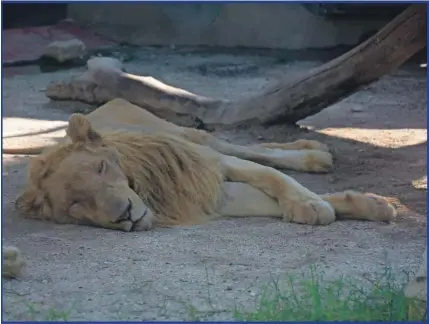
x,y
119,180
83,182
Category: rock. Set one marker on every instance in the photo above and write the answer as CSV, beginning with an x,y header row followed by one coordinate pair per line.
x,y
63,51
417,287
84,88
356,108
104,64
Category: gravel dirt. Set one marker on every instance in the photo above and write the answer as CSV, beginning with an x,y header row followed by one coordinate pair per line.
x,y
378,137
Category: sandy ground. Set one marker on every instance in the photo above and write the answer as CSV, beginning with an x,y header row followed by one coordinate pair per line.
x,y
378,136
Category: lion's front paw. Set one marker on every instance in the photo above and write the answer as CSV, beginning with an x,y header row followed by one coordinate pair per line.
x,y
311,212
317,161
12,262
371,207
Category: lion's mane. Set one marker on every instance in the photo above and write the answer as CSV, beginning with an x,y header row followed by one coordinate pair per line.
x,y
178,183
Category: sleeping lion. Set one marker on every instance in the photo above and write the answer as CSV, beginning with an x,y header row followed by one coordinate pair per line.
x,y
122,168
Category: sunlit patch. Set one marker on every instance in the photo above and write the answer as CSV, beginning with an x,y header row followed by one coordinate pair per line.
x,y
421,183
403,211
392,138
20,132
15,126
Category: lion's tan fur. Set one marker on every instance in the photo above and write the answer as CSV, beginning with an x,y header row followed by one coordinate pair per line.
x,y
179,184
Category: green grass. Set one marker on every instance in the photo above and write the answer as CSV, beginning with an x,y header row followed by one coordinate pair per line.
x,y
307,297
346,299
48,315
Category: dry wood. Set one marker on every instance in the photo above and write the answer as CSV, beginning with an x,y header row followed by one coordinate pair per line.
x,y
289,101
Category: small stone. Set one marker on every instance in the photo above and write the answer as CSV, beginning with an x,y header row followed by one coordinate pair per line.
x,y
63,51
104,64
417,286
356,109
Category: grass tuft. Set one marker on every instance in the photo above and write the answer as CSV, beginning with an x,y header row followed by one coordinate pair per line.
x,y
345,299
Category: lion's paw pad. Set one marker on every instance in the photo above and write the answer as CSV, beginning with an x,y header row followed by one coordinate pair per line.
x,y
381,208
318,161
311,212
373,207
312,145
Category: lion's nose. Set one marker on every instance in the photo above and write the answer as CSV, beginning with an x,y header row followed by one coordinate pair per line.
x,y
127,212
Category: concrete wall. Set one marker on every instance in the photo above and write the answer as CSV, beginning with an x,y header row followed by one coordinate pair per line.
x,y
282,25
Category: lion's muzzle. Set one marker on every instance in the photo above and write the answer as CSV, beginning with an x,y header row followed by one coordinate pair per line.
x,y
126,214
129,214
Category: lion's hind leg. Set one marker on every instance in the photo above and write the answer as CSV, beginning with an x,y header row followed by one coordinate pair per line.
x,y
301,155
301,144
12,262
358,206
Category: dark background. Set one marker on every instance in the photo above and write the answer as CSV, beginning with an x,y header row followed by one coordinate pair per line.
x,y
18,15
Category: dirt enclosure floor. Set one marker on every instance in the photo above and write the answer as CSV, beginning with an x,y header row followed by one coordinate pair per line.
x,y
378,137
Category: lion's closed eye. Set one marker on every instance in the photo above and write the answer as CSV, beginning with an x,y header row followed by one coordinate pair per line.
x,y
75,209
74,204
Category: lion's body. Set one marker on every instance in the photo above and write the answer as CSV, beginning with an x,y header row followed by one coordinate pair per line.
x,y
165,175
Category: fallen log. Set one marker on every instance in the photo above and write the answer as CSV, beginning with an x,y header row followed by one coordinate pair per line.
x,y
382,53
289,101
106,79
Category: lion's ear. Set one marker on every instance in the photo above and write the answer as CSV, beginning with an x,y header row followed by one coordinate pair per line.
x,y
81,131
38,170
31,203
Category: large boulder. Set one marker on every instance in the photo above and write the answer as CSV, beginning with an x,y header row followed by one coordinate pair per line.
x,y
63,51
